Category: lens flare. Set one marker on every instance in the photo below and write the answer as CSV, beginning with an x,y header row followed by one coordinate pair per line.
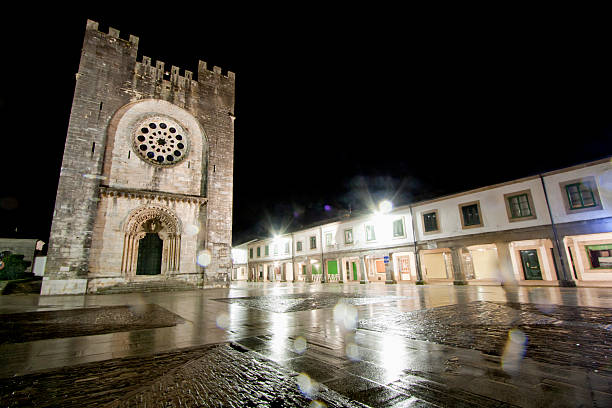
x,y
204,258
514,351
299,345
317,404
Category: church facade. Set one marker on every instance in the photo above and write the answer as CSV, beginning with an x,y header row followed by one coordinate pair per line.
x,y
145,189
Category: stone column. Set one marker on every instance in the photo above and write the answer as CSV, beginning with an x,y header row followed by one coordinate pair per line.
x,y
324,277
340,270
264,273
458,273
308,271
295,272
417,263
505,263
362,266
284,272
390,279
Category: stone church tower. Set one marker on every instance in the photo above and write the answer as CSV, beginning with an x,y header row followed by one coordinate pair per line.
x,y
145,189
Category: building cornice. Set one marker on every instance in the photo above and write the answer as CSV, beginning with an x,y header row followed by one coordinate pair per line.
x,y
106,191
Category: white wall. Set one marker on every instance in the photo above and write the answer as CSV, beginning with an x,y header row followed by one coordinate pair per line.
x,y
492,211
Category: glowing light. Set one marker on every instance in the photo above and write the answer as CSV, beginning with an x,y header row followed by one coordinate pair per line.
x,y
317,404
327,207
514,351
299,345
204,258
385,206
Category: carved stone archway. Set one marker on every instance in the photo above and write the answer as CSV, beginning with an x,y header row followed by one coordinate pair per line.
x,y
151,219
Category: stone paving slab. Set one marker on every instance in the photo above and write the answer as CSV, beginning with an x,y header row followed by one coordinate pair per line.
x,y
211,376
24,327
560,335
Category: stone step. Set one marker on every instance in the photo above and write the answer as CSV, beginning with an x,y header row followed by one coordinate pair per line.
x,y
164,286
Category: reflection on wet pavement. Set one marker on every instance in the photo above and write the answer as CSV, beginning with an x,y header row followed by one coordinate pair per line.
x,y
340,345
308,301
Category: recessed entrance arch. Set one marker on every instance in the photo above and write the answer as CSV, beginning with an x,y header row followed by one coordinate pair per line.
x,y
152,242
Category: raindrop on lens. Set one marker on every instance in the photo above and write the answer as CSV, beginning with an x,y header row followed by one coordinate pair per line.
x,y
223,321
299,345
307,386
352,351
191,230
204,258
514,351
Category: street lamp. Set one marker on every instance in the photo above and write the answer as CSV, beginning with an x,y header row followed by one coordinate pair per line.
x,y
385,206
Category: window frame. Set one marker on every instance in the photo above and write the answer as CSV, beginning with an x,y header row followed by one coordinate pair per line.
x,y
509,196
373,228
329,242
596,247
299,246
588,181
259,252
427,212
267,250
250,253
347,242
401,220
311,242
480,215
577,185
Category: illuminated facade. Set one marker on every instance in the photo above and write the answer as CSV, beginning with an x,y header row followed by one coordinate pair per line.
x,y
145,189
500,234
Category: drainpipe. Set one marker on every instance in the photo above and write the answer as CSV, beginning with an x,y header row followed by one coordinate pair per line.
x,y
563,281
416,251
323,272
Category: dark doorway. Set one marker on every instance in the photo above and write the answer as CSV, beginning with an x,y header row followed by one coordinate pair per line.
x,y
531,265
149,255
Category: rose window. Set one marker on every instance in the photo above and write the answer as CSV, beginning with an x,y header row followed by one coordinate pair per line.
x,y
161,141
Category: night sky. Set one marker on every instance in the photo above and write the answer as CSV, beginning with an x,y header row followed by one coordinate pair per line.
x,y
336,108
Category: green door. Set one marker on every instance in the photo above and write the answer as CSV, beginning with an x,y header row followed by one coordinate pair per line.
x,y
332,267
149,255
354,271
531,265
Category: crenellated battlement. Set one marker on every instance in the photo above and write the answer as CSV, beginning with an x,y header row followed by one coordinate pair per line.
x,y
112,33
203,68
158,71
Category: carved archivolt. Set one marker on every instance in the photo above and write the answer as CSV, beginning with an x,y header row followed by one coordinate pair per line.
x,y
152,219
141,217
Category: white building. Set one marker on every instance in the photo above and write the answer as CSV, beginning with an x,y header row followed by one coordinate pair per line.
x,y
240,262
548,229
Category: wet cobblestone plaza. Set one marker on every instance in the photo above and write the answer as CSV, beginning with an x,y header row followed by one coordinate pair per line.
x,y
292,345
